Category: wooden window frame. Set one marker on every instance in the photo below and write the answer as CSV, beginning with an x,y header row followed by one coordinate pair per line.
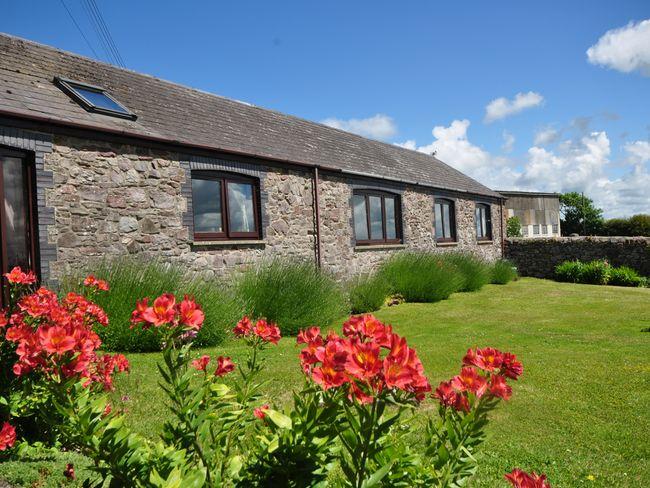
x,y
398,217
488,222
32,218
452,224
225,180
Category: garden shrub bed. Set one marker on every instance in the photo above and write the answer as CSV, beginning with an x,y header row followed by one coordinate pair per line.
x,y
598,272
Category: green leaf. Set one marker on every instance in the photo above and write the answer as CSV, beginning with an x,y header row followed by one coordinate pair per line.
x,y
378,475
279,419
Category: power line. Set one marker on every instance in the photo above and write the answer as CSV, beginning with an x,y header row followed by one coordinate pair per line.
x,y
79,28
109,36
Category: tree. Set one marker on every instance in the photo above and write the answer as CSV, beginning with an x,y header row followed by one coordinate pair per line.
x,y
637,225
513,227
580,215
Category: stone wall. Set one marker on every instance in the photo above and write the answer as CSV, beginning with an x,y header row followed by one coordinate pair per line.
x,y
538,257
110,199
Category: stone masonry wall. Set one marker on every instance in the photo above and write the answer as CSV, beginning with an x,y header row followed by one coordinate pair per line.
x,y
538,257
110,199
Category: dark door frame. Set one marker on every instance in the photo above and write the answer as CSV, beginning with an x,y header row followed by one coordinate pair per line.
x,y
29,173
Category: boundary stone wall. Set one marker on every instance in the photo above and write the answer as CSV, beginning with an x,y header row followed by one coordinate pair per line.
x,y
538,257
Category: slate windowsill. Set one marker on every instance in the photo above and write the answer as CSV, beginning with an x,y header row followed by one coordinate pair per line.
x,y
231,243
379,247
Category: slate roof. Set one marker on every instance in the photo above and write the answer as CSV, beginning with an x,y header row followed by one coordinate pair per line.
x,y
177,114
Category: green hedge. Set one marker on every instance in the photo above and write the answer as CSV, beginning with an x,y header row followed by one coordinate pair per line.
x,y
598,272
367,293
131,279
293,294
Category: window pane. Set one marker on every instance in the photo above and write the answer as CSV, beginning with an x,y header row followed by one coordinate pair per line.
x,y
206,202
376,227
391,228
483,222
241,216
477,218
100,100
438,220
447,220
360,218
15,206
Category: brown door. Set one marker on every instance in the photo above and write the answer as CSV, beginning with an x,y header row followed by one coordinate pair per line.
x,y
16,213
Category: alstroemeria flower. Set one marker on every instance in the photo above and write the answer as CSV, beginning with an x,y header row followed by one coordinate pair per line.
x,y
243,328
93,282
499,388
470,380
260,412
224,366
17,277
162,312
201,363
266,331
56,339
521,479
7,436
191,314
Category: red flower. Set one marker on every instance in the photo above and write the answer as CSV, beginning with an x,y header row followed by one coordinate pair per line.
x,y
499,387
17,277
328,377
511,367
363,360
268,332
368,327
140,307
3,320
470,380
93,282
224,366
56,339
488,359
7,436
162,311
69,472
201,363
243,327
191,314
521,479
260,412
310,336
356,393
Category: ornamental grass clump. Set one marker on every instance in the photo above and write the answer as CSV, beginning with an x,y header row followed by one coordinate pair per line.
x,y
367,293
421,277
152,278
502,272
292,294
474,271
625,276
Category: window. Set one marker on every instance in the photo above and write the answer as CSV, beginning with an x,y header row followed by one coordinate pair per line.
x,y
483,222
445,220
93,98
524,230
556,229
376,217
224,206
18,241
536,229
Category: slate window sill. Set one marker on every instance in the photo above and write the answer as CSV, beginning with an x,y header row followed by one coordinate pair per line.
x,y
231,243
480,243
446,244
379,247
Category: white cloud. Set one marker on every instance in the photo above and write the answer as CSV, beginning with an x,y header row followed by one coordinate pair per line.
x,y
625,49
500,108
580,164
546,136
379,126
410,144
508,142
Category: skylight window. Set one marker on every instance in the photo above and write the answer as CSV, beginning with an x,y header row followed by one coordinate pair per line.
x,y
93,98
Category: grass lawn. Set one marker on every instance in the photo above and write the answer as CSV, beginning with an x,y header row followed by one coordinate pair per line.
x,y
580,413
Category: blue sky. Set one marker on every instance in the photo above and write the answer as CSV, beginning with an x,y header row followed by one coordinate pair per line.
x,y
422,74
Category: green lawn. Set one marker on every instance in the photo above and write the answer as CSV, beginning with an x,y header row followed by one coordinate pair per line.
x,y
580,413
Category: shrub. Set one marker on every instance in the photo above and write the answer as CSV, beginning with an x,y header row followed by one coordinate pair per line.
x,y
367,293
502,272
421,277
569,271
513,227
153,278
624,276
474,271
595,273
293,294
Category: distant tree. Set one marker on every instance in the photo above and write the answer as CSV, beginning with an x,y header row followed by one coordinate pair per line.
x,y
580,215
637,225
513,227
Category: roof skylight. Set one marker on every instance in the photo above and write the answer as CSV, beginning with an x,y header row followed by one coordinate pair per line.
x,y
93,98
